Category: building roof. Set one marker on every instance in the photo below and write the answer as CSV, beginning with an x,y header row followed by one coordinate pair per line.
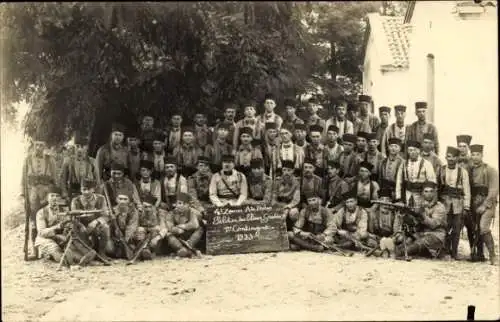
x,y
391,38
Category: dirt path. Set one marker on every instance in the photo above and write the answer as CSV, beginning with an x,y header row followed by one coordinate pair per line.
x,y
285,286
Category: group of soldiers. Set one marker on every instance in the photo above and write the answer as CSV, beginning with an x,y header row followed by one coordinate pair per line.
x,y
343,177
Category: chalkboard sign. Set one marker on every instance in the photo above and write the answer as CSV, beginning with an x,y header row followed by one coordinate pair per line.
x,y
246,229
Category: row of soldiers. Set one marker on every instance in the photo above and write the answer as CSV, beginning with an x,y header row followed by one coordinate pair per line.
x,y
325,173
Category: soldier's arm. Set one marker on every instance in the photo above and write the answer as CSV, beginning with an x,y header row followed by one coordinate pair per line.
x,y
466,188
299,224
132,225
243,190
43,230
491,199
212,191
193,223
438,218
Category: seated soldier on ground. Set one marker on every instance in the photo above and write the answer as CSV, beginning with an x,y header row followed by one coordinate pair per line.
x,y
428,239
287,193
350,225
127,222
314,222
53,236
259,183
152,222
184,230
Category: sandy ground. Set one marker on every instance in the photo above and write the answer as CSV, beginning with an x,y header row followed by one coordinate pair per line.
x,y
282,286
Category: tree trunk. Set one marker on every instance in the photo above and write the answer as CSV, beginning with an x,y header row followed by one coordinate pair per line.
x,y
333,61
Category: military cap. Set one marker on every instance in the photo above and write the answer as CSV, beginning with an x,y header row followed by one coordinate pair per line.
x,y
312,100
477,148
395,141
287,164
170,160
148,164
246,130
332,163
159,137
310,161
367,165
333,128
385,192
203,159
55,189
413,144
428,136
256,163
352,107
88,183
289,102
420,105
227,158
184,197
386,109
464,139
429,184
350,194
362,134
269,96
117,167
81,139
400,108
116,127
224,125
149,199
300,126
348,137
452,150
315,128
365,98
271,125
187,129
371,136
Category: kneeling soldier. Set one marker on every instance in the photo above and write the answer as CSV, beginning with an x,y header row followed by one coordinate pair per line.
x,y
314,222
287,193
52,236
125,225
184,230
152,222
259,183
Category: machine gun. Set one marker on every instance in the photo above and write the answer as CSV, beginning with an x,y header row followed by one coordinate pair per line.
x,y
73,235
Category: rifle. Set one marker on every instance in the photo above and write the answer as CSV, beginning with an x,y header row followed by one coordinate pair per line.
x,y
331,247
128,252
475,243
196,252
139,250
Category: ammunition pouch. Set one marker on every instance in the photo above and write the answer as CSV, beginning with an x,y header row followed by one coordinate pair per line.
x,y
452,192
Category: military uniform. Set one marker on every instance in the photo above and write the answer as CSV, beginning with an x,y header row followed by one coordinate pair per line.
x,y
336,187
187,157
198,188
203,135
375,159
253,123
287,195
259,188
110,153
152,221
417,130
331,153
394,131
217,150
127,221
435,161
344,126
115,187
348,161
311,185
173,139
228,188
172,186
389,171
244,155
350,226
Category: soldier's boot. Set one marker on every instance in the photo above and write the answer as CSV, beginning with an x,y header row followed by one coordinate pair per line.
x,y
455,239
177,247
87,258
307,245
490,245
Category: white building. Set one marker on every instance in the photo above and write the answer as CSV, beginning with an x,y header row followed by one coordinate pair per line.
x,y
445,53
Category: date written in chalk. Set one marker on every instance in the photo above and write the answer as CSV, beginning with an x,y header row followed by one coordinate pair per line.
x,y
246,229
248,217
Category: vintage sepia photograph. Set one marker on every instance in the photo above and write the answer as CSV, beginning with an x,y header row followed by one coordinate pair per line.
x,y
249,161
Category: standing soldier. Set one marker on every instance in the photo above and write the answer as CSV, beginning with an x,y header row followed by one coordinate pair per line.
x,y
112,152
391,166
463,143
174,133
373,155
260,184
228,123
173,183
134,155
310,182
269,116
119,184
369,122
187,153
202,133
335,187
249,121
157,156
246,151
39,174
428,153
299,135
271,148
332,148
77,169
199,183
220,147
147,133
228,187
152,222
417,129
126,224
287,193
146,185
314,120
314,151
314,221
340,120
384,113
396,130
291,119
455,196
415,172
348,159
182,224
484,192
290,151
